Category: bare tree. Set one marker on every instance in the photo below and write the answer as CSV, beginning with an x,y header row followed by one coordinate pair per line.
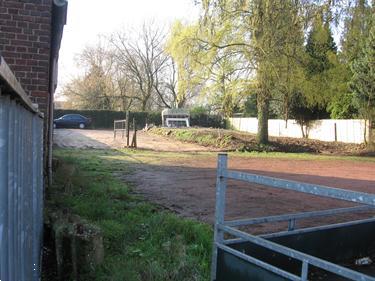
x,y
93,89
131,71
166,86
145,62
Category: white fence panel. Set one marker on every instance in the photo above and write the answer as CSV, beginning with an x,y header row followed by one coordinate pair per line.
x,y
348,131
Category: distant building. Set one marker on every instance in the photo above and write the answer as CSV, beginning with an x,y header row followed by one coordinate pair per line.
x,y
30,36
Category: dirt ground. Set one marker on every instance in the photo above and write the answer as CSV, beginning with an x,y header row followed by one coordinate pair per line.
x,y
104,139
184,182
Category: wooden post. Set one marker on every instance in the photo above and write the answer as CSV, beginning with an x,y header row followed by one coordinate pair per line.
x,y
335,132
114,129
134,140
122,129
135,135
127,128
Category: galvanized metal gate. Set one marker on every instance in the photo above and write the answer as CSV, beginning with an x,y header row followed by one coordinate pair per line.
x,y
21,182
290,254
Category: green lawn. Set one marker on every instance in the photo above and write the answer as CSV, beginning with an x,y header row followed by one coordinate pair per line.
x,y
142,241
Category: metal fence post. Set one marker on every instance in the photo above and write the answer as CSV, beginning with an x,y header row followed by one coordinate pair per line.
x,y
305,270
221,184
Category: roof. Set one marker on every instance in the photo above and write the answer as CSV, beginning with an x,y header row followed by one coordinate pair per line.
x,y
59,15
60,2
175,111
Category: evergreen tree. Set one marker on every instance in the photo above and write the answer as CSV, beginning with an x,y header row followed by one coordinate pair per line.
x,y
356,30
320,45
321,61
363,80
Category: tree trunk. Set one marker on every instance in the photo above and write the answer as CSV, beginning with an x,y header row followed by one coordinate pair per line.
x,y
144,105
303,131
370,132
263,108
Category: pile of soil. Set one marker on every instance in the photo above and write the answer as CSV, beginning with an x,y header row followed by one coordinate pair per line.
x,y
230,140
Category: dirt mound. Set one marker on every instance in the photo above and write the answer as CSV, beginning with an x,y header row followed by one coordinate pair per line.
x,y
230,140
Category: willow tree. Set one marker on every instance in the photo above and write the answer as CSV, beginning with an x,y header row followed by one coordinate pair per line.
x,y
181,46
269,35
214,74
290,64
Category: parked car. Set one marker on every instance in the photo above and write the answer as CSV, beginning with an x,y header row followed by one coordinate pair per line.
x,y
72,121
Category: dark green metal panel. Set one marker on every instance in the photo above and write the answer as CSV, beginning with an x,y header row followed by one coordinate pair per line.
x,y
232,268
338,245
239,269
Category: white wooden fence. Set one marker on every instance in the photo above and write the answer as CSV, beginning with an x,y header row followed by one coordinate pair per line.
x,y
349,131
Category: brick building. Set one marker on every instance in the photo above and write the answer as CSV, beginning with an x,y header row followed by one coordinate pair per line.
x,y
30,36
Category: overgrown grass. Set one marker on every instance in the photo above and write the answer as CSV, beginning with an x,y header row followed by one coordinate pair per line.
x,y
195,136
142,241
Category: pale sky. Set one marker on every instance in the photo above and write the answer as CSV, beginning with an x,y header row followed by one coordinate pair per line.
x,y
87,19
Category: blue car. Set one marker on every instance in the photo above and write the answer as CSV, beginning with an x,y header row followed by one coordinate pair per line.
x,y
72,121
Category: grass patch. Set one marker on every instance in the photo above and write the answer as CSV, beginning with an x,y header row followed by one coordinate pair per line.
x,y
142,241
204,137
302,156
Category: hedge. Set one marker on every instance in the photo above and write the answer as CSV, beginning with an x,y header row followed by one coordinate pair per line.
x,y
205,120
103,119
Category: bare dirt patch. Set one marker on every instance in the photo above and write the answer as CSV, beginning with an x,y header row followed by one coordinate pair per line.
x,y
187,186
103,139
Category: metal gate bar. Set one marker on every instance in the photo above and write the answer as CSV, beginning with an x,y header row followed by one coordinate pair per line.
x,y
294,217
222,226
117,128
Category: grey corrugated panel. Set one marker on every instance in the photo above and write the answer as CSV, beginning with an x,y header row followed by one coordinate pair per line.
x,y
4,146
21,191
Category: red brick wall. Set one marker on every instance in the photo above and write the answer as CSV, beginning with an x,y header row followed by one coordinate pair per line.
x,y
25,42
